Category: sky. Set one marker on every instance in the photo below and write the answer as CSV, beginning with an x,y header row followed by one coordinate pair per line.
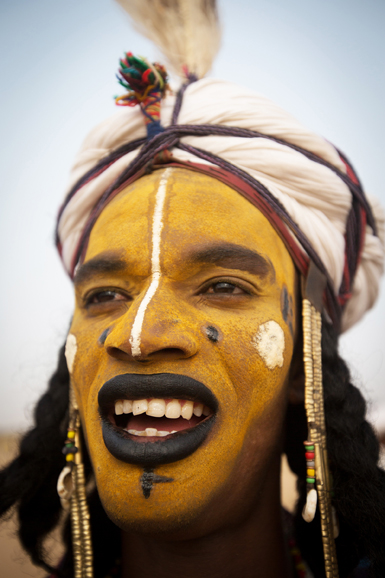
x,y
321,61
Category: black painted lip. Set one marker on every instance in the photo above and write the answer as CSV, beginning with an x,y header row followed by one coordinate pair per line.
x,y
168,449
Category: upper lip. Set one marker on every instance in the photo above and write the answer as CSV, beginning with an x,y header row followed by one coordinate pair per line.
x,y
159,385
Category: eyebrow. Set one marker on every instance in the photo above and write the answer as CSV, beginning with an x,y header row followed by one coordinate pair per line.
x,y
230,256
225,255
109,262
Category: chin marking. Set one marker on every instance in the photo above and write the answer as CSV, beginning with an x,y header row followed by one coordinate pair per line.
x,y
70,351
149,478
269,341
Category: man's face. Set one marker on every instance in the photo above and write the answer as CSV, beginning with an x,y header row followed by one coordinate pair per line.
x,y
188,294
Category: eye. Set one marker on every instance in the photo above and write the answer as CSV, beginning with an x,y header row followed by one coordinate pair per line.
x,y
106,296
224,287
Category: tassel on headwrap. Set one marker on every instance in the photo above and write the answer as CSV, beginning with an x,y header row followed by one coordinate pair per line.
x,y
146,84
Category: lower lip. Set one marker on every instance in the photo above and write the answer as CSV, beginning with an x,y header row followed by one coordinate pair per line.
x,y
172,448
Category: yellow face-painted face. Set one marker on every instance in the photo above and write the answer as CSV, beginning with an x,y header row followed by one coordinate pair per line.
x,y
184,277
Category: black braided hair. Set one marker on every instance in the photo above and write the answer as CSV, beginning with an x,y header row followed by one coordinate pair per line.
x,y
359,485
358,482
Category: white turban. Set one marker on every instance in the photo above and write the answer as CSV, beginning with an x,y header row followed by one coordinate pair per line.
x,y
313,195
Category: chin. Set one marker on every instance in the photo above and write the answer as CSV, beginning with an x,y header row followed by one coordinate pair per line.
x,y
174,510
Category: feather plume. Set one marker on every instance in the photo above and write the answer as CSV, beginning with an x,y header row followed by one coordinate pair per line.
x,y
186,31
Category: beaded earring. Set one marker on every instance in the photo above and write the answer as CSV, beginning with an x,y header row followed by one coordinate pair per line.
x,y
64,483
318,476
72,492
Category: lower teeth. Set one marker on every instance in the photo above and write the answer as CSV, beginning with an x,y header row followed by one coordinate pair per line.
x,y
150,432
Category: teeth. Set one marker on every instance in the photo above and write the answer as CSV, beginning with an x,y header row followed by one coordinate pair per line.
x,y
187,410
139,406
127,406
156,408
198,409
173,409
150,432
119,407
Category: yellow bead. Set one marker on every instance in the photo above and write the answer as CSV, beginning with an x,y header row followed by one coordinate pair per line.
x,y
70,434
310,473
70,457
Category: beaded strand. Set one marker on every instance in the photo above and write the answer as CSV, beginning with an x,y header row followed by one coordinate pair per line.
x,y
310,465
70,448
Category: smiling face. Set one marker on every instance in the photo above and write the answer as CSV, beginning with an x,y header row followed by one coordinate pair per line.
x,y
184,305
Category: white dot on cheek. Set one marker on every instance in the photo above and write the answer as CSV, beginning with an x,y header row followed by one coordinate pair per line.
x,y
70,351
269,341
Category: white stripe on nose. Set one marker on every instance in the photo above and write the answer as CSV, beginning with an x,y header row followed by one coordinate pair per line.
x,y
157,226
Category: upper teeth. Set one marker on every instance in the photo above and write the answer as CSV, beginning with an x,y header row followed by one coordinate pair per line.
x,y
159,408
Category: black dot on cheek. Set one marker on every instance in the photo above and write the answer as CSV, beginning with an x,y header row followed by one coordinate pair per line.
x,y
212,333
103,336
285,303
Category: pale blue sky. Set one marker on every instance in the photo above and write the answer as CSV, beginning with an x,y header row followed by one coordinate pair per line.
x,y
322,61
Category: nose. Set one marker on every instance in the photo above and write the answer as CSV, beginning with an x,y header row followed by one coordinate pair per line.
x,y
162,329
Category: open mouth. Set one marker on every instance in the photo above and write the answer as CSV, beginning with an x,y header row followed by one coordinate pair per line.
x,y
155,419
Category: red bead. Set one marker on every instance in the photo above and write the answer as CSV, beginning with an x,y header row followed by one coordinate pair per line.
x,y
309,455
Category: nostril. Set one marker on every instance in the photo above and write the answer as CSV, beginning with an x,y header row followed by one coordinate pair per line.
x,y
166,353
117,353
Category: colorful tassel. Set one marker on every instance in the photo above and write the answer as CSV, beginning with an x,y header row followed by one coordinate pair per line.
x,y
146,85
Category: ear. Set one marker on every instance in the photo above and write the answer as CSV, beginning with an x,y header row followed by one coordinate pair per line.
x,y
296,374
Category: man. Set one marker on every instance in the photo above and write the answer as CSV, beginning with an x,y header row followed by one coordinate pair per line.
x,y
209,227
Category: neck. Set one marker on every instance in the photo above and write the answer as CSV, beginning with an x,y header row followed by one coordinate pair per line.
x,y
253,548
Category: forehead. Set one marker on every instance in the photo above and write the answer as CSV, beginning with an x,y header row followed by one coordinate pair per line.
x,y
198,211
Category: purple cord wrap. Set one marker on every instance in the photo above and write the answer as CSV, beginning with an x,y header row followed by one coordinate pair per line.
x,y
179,98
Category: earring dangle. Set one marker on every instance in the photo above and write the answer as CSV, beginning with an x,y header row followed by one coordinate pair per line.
x,y
317,473
310,507
72,492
